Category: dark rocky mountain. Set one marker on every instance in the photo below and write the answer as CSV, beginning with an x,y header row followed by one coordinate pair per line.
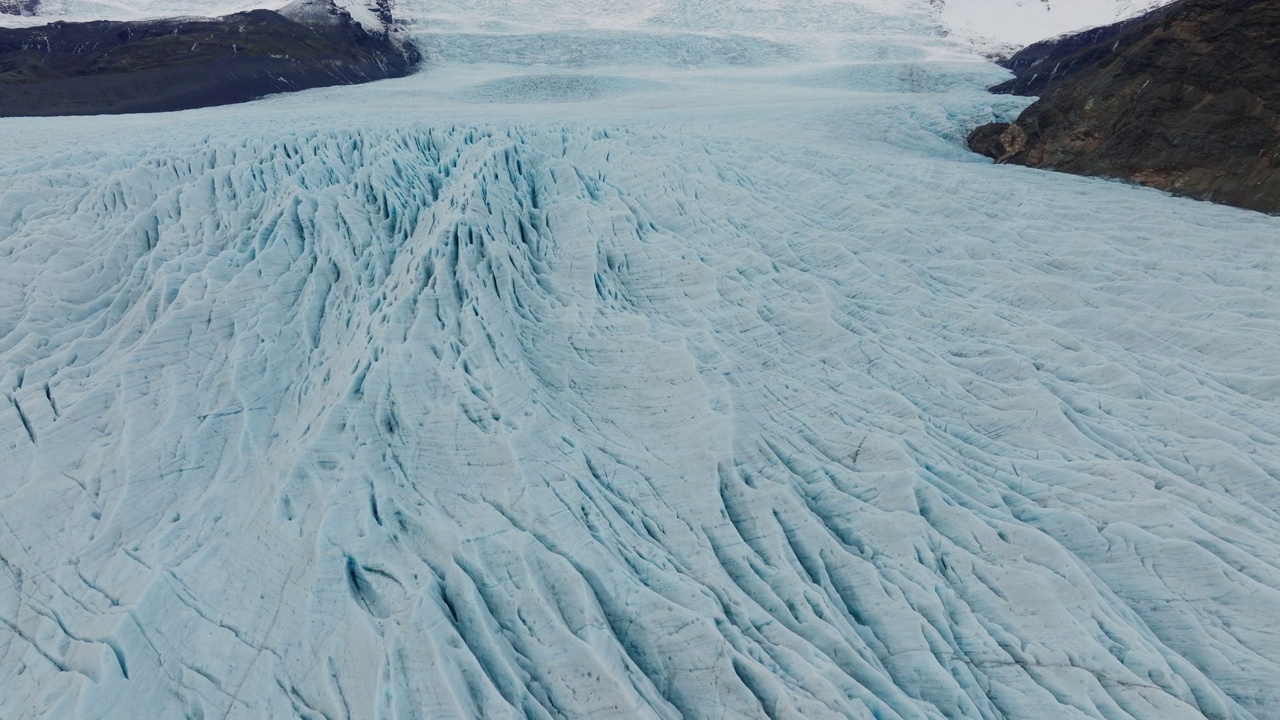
x,y
125,67
1185,99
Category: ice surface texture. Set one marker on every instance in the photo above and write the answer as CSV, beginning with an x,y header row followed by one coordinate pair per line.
x,y
732,392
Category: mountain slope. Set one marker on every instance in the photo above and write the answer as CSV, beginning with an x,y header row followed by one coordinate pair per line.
x,y
1186,100
628,370
104,67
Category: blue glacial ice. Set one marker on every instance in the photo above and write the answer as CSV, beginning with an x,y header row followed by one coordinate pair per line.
x,y
684,364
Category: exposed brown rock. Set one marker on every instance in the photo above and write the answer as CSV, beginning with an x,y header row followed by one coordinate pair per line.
x,y
985,140
1186,99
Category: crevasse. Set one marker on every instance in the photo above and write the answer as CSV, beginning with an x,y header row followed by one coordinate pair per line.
x,y
543,385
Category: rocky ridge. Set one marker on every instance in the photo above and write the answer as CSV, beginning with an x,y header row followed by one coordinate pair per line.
x,y
109,67
1185,99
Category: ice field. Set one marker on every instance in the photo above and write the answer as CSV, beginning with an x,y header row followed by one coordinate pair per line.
x,y
672,360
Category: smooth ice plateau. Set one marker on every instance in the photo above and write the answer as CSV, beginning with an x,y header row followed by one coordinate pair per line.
x,y
630,361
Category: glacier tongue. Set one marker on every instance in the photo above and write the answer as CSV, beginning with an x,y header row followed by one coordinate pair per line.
x,y
616,390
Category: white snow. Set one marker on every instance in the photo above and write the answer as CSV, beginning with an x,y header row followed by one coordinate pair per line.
x,y
1011,24
653,364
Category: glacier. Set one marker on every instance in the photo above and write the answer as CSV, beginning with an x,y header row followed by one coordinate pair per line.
x,y
668,360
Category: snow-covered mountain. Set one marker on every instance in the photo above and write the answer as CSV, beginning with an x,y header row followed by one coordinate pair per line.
x,y
654,360
76,10
38,12
987,24
1016,23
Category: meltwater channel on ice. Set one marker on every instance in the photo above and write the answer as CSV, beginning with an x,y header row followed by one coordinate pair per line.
x,y
631,360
